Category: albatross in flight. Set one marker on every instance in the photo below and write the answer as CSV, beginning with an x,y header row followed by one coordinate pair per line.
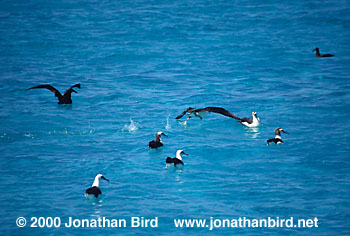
x,y
192,112
65,99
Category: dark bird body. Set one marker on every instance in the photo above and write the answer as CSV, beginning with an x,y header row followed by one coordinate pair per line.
x,y
174,161
275,140
157,142
93,190
62,99
321,55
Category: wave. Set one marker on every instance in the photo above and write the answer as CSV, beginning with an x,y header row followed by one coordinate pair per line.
x,y
132,127
168,126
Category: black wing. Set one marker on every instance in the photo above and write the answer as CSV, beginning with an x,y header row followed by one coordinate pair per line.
x,y
221,111
154,144
93,190
248,120
184,112
174,160
70,90
49,87
169,160
275,140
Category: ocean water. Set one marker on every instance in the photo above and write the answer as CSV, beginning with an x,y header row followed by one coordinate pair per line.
x,y
140,64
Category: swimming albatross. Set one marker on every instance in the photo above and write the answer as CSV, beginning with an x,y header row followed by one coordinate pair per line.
x,y
321,55
192,112
176,160
65,99
157,142
95,188
278,138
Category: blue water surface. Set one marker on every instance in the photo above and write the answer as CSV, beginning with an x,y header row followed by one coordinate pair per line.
x,y
141,63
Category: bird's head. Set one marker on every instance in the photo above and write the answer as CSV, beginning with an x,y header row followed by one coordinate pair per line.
x,y
99,176
160,133
179,153
278,130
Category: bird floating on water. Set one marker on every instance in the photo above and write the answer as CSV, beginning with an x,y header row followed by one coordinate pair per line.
x,y
321,55
192,112
95,188
278,138
250,122
176,161
65,99
157,142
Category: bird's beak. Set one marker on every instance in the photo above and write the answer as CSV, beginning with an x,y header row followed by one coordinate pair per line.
x,y
164,135
105,178
74,91
314,50
285,132
185,153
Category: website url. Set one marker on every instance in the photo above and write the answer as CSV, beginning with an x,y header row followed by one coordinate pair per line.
x,y
243,222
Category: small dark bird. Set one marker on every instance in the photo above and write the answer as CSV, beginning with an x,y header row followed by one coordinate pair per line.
x,y
321,55
278,138
65,99
176,160
95,189
157,142
192,112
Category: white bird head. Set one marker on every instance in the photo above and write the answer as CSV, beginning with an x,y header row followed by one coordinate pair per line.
x,y
178,154
97,180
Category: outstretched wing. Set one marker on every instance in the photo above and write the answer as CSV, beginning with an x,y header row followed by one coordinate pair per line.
x,y
70,90
184,112
221,111
49,87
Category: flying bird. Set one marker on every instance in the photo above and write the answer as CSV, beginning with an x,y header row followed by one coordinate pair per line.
x,y
321,55
278,138
192,112
157,142
65,99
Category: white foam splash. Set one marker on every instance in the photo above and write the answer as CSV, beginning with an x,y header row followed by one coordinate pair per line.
x,y
91,130
183,123
28,135
168,126
130,127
